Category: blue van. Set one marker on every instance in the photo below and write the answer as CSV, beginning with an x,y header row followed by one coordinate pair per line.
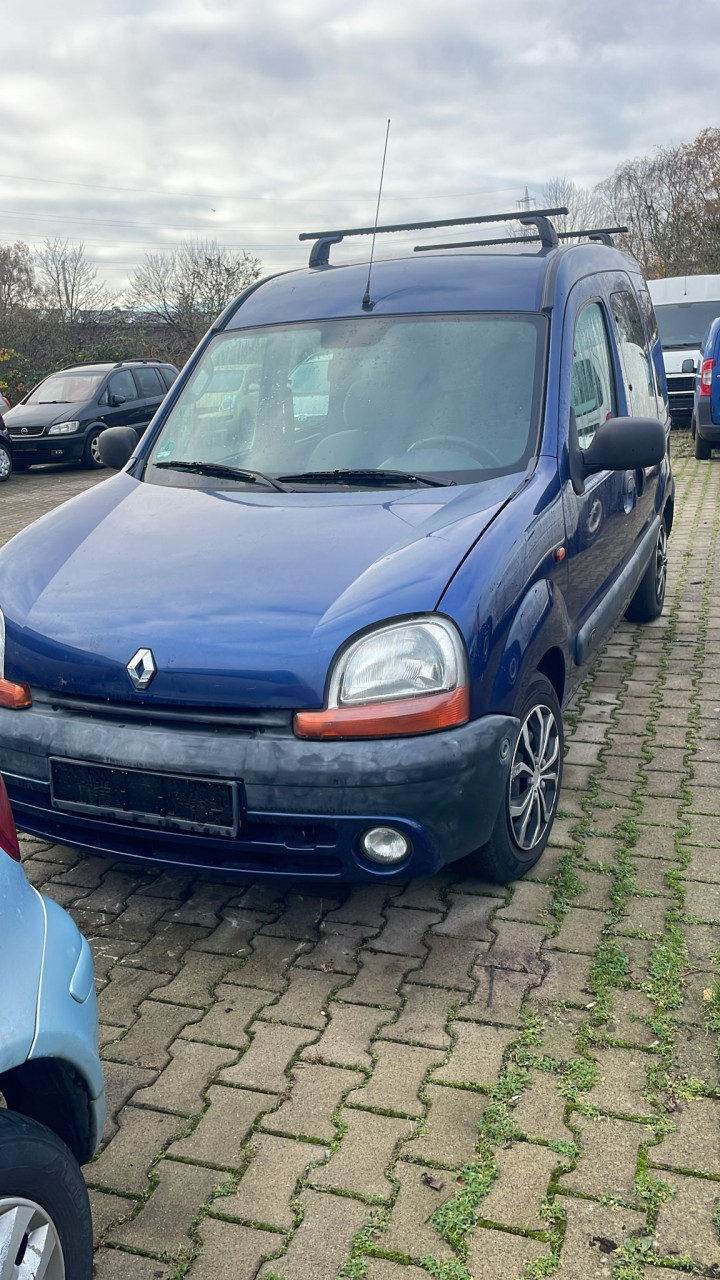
x,y
323,621
706,409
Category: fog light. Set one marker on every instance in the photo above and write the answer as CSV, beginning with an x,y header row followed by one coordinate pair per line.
x,y
384,844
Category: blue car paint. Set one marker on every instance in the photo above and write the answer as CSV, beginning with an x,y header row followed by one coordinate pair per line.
x,y
707,408
242,643
245,597
43,959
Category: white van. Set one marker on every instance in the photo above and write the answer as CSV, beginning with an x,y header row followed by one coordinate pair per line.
x,y
685,307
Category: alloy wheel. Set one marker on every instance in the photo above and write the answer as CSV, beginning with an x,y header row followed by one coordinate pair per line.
x,y
5,464
534,775
95,449
30,1247
661,559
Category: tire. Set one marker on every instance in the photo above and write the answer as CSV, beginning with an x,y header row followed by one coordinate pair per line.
x,y
41,1191
91,459
509,853
649,599
703,448
6,463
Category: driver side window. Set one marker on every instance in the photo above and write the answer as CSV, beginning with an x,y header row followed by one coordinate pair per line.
x,y
122,384
592,393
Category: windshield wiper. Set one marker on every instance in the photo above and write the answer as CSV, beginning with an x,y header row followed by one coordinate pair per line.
x,y
222,472
50,402
364,475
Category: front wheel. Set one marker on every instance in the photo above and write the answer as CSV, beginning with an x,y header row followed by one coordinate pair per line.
x,y
649,599
91,459
522,827
6,463
45,1222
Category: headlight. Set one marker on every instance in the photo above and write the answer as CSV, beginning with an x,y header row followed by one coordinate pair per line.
x,y
63,428
399,661
407,677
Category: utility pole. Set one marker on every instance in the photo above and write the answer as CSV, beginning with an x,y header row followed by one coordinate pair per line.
x,y
525,203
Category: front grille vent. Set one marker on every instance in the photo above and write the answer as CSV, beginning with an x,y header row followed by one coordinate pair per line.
x,y
238,720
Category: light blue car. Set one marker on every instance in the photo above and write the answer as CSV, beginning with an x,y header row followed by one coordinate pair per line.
x,y
50,1079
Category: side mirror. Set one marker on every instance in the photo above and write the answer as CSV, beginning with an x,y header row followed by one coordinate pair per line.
x,y
619,444
688,366
116,446
117,399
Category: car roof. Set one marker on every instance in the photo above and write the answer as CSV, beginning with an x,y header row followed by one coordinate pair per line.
x,y
105,366
440,281
685,289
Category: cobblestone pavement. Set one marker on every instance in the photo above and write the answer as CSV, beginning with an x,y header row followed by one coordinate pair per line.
x,y
447,1078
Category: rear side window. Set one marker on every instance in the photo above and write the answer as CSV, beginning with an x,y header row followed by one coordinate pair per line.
x,y
639,377
592,392
651,328
169,375
149,383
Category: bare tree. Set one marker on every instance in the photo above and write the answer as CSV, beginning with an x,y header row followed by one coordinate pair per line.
x,y
670,202
17,277
188,287
69,284
585,209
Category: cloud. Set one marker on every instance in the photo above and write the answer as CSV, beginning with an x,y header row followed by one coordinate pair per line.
x,y
248,123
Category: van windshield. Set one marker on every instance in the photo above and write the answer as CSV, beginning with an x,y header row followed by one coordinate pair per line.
x,y
684,324
456,397
66,388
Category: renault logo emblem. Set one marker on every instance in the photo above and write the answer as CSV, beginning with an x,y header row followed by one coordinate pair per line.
x,y
141,668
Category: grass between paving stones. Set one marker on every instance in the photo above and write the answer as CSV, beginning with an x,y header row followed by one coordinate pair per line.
x,y
669,959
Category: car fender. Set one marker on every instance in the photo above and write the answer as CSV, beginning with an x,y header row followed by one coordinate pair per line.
x,y
22,940
67,1020
540,624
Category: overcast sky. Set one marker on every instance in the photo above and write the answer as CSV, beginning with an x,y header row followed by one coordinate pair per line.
x,y
132,124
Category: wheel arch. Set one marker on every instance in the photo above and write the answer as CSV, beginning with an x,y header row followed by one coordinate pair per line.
x,y
536,641
55,1094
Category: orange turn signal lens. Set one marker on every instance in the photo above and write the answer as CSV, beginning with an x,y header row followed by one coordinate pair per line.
x,y
423,714
14,695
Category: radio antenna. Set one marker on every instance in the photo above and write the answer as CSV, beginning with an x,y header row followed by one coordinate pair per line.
x,y
367,305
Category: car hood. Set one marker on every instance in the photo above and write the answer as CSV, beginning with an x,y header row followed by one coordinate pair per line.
x,y
43,414
242,597
674,357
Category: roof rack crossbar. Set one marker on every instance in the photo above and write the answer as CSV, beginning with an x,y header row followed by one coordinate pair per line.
x,y
320,254
602,234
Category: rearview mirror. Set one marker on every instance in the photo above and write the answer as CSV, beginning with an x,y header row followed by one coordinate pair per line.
x,y
116,446
619,444
117,399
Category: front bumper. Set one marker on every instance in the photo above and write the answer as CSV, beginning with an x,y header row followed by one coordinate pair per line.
x,y
303,805
37,449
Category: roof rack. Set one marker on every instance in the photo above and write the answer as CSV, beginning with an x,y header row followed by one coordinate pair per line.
x,y
320,252
602,234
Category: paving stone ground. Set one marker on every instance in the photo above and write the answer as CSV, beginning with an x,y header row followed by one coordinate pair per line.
x,y
443,1079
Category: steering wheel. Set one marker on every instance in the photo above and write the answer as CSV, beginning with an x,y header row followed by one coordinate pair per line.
x,y
478,451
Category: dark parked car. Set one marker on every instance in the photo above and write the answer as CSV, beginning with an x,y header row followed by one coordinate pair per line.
x,y
324,622
62,418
